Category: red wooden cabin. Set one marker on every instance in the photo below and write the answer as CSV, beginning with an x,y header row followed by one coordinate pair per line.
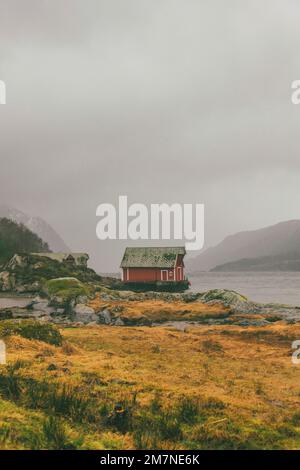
x,y
153,264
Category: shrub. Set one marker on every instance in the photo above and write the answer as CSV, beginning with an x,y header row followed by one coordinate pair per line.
x,y
210,346
64,401
155,424
121,415
295,419
52,398
212,403
31,329
56,437
10,385
187,409
150,429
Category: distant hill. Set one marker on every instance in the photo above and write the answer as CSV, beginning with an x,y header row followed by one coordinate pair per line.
x,y
281,240
285,262
36,225
16,238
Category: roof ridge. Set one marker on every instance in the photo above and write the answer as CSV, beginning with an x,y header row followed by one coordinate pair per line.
x,y
155,247
151,256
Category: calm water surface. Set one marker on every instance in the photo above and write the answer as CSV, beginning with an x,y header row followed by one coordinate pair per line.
x,y
283,287
8,302
268,287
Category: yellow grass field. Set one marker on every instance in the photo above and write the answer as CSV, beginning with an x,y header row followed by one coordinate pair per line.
x,y
156,310
208,387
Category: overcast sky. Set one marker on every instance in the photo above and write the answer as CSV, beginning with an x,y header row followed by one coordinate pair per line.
x,y
161,100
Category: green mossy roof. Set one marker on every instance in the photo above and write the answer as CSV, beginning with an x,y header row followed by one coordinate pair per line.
x,y
151,257
63,256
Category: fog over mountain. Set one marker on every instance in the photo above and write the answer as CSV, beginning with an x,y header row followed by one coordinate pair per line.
x,y
16,238
279,241
37,225
163,101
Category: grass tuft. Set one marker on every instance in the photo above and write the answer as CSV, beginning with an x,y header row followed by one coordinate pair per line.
x,y
31,329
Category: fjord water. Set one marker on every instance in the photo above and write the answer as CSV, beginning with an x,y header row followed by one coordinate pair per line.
x,y
9,302
268,287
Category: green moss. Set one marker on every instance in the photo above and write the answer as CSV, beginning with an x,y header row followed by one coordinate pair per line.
x,y
31,329
63,290
21,429
54,286
38,270
224,295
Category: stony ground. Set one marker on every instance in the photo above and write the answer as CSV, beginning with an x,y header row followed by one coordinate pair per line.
x,y
67,301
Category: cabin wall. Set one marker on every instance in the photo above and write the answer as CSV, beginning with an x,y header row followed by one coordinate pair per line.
x,y
153,274
141,274
179,268
179,273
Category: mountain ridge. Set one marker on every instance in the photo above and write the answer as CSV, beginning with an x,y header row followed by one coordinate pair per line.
x,y
16,238
278,239
37,225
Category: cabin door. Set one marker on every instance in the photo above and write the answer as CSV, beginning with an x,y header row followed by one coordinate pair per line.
x,y
179,274
164,275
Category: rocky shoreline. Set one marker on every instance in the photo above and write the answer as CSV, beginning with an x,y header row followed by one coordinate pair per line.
x,y
230,308
69,296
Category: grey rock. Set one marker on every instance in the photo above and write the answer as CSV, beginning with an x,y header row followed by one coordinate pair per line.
x,y
119,322
41,304
59,311
190,297
45,318
18,312
17,261
85,309
182,327
81,299
105,317
251,323
84,314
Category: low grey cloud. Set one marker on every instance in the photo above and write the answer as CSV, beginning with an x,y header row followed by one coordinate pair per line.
x,y
161,100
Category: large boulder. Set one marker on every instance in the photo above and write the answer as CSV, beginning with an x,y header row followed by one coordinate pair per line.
x,y
17,261
63,292
41,304
238,303
105,317
84,314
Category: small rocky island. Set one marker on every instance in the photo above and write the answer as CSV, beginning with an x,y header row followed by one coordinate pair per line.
x,y
72,294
